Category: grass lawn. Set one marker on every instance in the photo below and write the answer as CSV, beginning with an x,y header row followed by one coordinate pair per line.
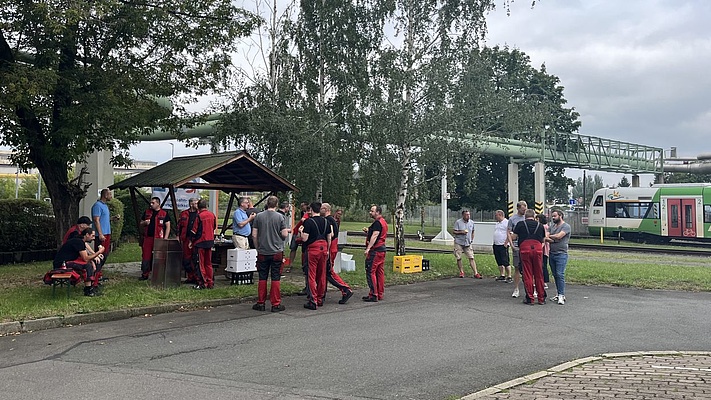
x,y
23,296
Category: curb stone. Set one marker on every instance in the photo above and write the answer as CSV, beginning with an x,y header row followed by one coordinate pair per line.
x,y
42,324
568,365
15,327
8,328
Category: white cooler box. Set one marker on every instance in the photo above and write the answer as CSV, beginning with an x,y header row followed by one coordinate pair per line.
x,y
241,255
344,262
239,260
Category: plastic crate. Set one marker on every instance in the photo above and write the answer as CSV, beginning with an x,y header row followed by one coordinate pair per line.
x,y
407,264
242,278
425,265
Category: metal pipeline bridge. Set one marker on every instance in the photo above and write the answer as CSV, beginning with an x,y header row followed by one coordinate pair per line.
x,y
577,151
565,149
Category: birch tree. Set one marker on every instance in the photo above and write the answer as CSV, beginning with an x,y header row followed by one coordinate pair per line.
x,y
412,76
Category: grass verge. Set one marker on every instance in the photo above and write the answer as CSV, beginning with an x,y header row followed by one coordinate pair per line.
x,y
23,296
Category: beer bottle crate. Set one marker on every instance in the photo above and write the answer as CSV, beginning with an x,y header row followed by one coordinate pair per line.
x,y
407,264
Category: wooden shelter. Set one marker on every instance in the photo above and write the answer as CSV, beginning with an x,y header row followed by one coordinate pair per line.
x,y
230,172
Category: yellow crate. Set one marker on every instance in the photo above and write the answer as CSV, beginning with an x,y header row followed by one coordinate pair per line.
x,y
407,264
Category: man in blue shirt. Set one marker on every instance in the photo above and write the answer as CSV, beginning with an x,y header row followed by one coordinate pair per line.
x,y
241,228
102,222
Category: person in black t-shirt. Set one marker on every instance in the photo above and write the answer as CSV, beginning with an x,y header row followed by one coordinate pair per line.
x,y
74,255
331,275
531,234
315,234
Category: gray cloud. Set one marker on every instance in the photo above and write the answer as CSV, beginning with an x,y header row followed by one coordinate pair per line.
x,y
637,71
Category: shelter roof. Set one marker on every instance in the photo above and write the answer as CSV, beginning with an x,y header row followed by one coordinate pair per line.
x,y
230,172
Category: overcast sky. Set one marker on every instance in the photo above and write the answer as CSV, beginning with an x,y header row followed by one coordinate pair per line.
x,y
637,71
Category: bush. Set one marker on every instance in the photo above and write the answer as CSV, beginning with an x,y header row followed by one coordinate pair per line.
x,y
26,224
116,207
128,217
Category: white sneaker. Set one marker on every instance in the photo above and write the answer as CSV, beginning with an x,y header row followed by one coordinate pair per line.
x,y
561,300
555,298
515,293
545,286
535,294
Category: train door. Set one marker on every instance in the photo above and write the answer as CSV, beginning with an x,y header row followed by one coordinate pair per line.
x,y
681,217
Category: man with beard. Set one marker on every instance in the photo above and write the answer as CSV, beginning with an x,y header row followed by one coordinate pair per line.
x,y
558,257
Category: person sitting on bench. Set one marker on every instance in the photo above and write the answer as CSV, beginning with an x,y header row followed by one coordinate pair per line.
x,y
74,255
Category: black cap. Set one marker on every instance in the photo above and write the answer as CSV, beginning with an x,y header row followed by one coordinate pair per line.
x,y
84,220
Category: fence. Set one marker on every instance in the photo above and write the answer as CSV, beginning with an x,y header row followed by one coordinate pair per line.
x,y
431,217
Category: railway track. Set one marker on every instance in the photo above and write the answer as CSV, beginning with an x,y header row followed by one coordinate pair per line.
x,y
577,246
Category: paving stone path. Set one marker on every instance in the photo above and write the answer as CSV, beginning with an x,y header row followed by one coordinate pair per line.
x,y
673,375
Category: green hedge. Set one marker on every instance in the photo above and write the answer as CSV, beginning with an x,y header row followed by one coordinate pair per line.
x,y
128,217
26,224
116,208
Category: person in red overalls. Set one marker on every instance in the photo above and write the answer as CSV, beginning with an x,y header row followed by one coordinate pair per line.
x,y
75,231
375,255
156,223
531,235
296,239
315,234
185,221
331,275
203,238
74,254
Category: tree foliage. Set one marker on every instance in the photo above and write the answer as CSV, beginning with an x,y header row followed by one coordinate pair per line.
x,y
592,184
681,177
82,76
504,96
303,115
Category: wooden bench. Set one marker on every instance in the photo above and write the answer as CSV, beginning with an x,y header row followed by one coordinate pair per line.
x,y
61,279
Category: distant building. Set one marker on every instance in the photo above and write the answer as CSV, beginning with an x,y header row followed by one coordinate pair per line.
x,y
9,170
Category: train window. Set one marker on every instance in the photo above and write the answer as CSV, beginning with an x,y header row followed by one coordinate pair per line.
x,y
616,210
652,211
598,202
674,216
631,210
688,223
707,213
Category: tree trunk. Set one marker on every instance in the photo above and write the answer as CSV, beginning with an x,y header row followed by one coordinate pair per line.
x,y
65,194
400,205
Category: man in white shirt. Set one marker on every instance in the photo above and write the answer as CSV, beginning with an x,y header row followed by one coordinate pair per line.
x,y
501,247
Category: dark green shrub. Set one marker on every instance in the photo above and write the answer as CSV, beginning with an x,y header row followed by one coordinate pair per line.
x,y
128,217
26,224
116,208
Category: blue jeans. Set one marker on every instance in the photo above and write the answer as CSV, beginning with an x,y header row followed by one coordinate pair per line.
x,y
558,263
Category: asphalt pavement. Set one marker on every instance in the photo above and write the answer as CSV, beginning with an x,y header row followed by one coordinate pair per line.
x,y
435,340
